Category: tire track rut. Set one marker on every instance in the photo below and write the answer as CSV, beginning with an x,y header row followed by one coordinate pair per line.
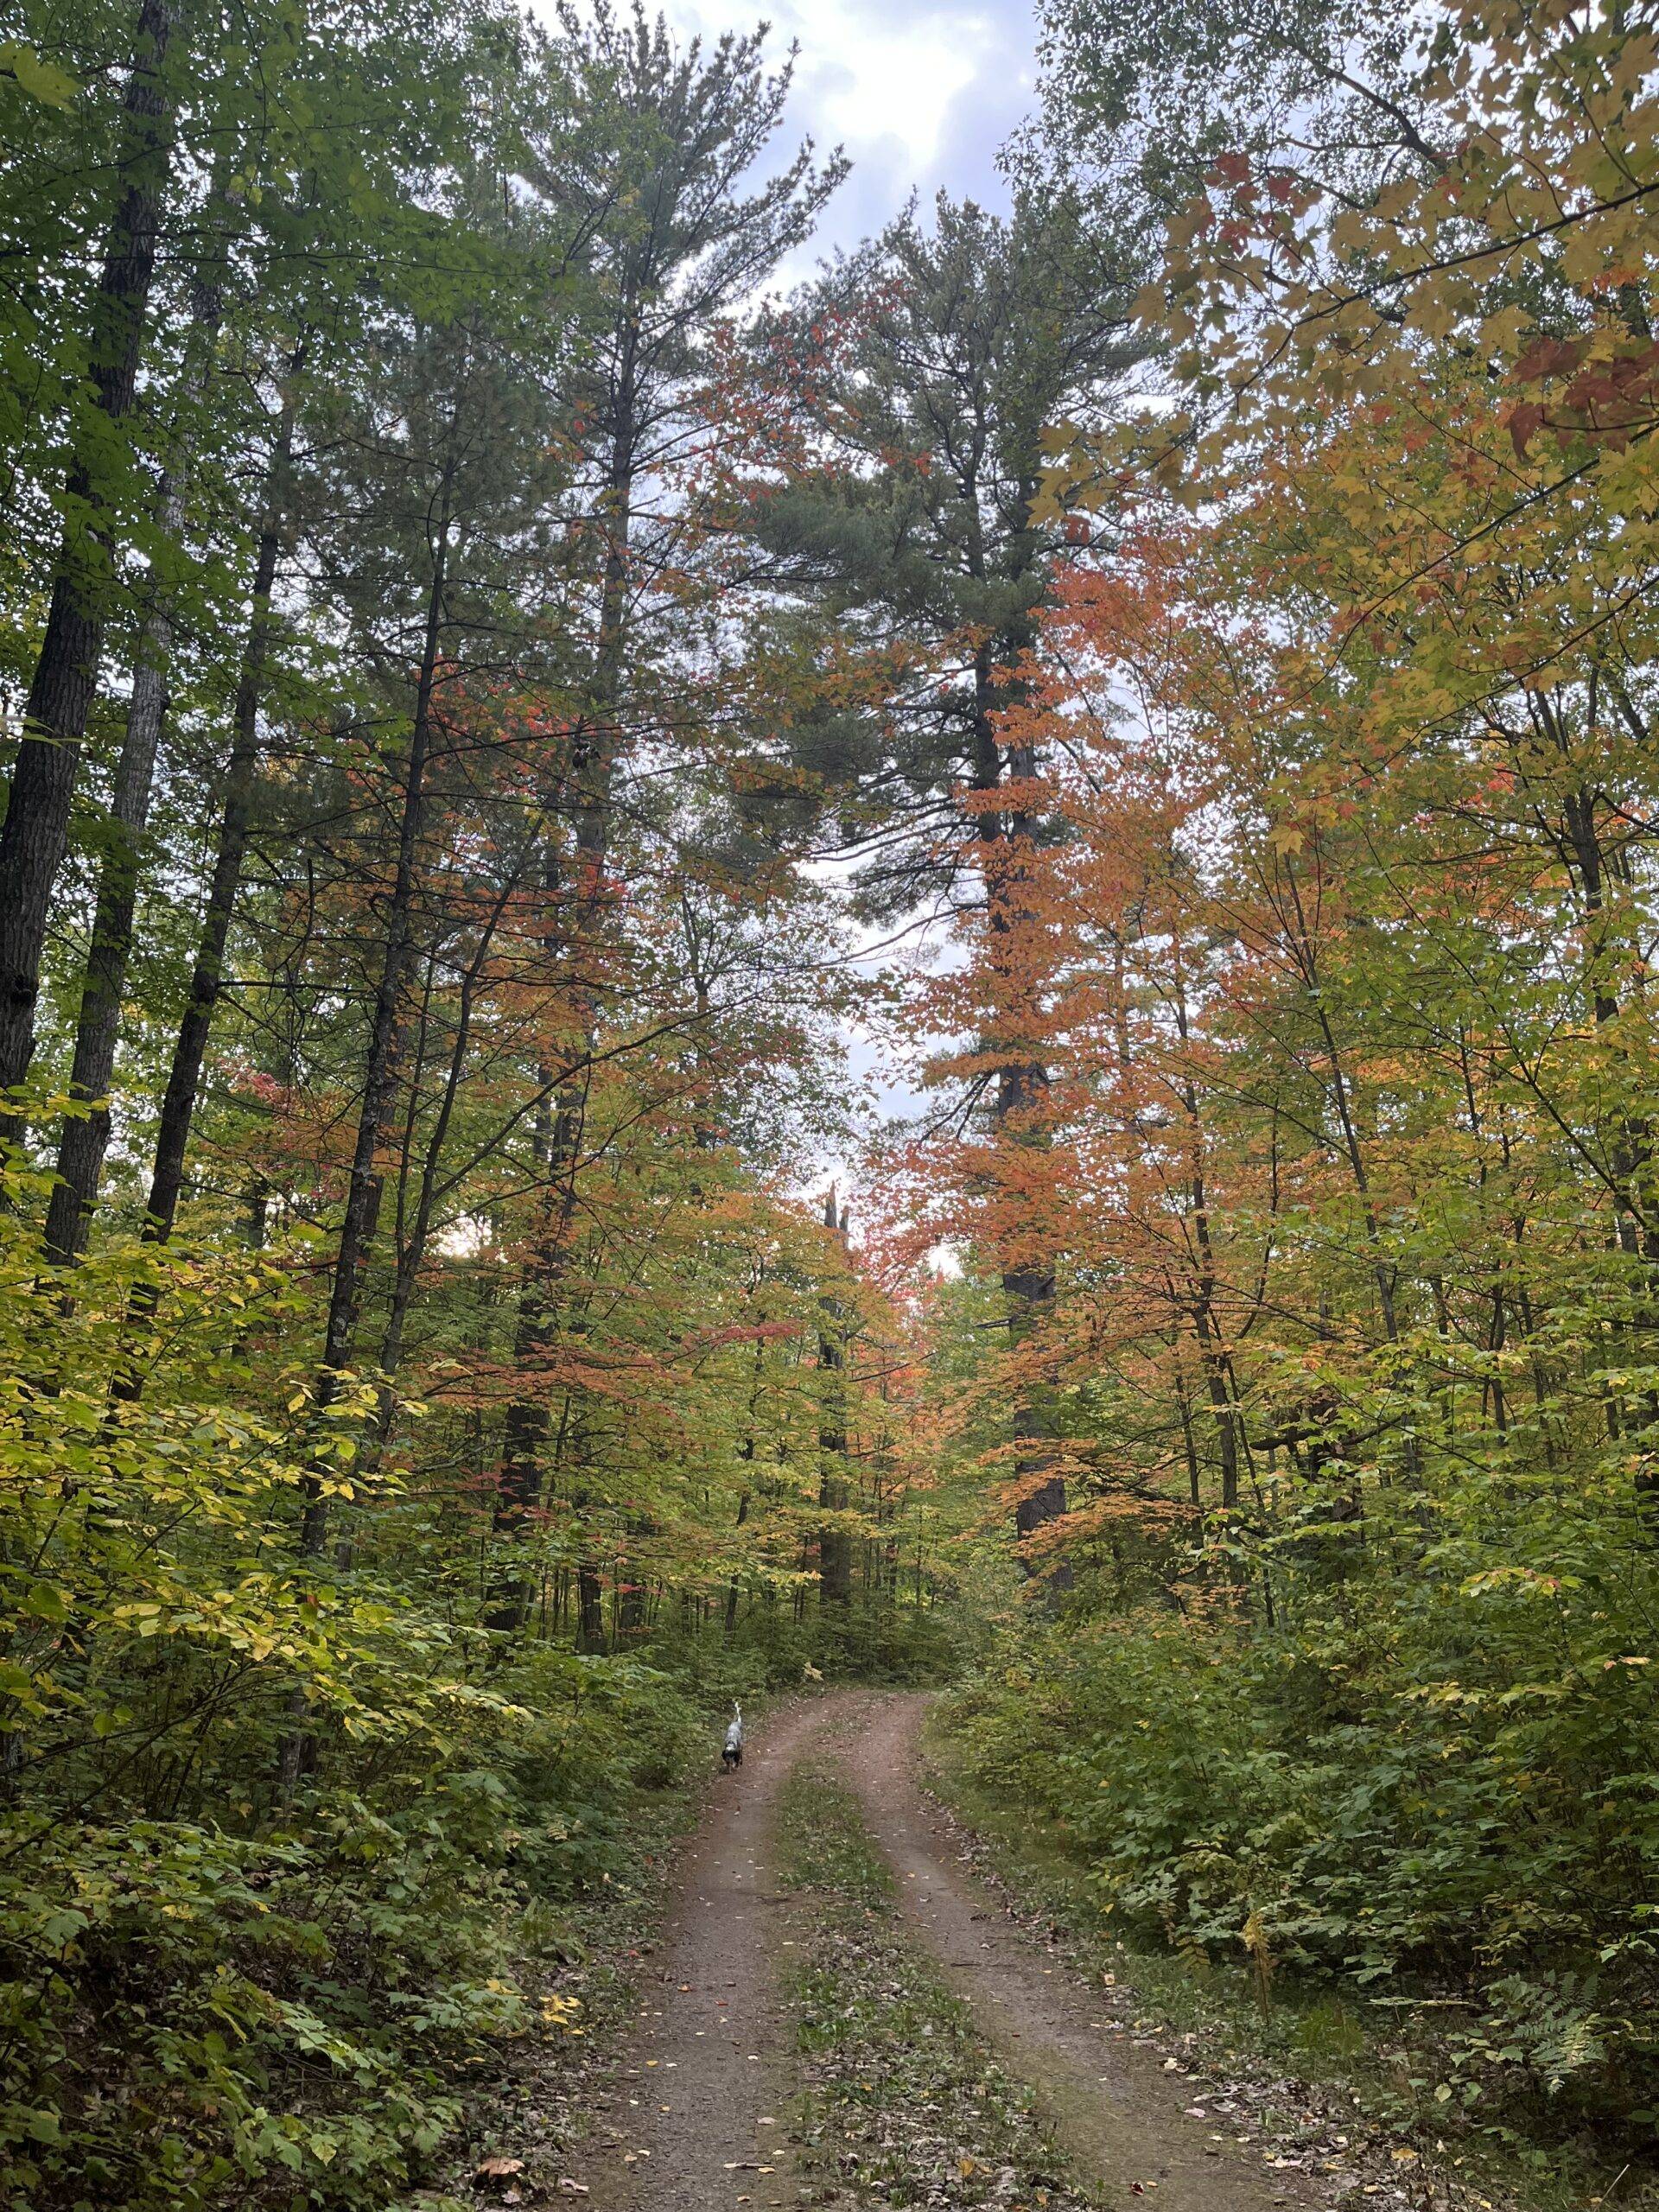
x,y
710,2066
1114,2107
700,2115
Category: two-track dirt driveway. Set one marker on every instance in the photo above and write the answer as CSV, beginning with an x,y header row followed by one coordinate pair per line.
x,y
710,2066
1112,2102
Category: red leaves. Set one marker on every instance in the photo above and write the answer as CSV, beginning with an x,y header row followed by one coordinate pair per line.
x,y
1524,423
1608,401
1550,357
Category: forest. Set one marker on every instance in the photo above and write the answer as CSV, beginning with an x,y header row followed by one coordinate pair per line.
x,y
902,984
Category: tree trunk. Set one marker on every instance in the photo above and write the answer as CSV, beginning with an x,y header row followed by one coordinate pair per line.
x,y
593,759
835,1494
590,1609
746,1452
380,1059
1017,1113
415,1232
184,1077
374,1114
36,826
733,1588
86,1136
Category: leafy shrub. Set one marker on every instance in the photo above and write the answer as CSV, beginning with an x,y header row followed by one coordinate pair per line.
x,y
1439,1779
215,1985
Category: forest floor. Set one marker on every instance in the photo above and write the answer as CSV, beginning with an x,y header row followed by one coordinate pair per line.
x,y
843,2012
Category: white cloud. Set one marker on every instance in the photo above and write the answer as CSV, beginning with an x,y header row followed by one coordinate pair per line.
x,y
919,92
866,78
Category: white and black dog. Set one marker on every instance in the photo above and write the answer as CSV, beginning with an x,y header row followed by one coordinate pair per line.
x,y
732,1750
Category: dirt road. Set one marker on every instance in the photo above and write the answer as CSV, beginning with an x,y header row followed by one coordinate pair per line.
x,y
1117,2108
703,2110
705,2094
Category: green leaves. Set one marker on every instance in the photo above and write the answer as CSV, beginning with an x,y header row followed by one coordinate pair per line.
x,y
43,80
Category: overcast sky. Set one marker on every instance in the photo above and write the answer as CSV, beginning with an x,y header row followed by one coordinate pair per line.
x,y
920,92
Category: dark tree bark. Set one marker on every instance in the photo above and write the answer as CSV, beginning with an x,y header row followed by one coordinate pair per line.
x,y
590,1609
1017,1107
733,1588
835,1492
86,1137
37,827
380,1066
414,1222
241,776
380,1071
541,1296
746,1452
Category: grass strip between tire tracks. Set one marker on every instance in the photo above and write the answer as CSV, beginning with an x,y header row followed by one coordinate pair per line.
x,y
905,2103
